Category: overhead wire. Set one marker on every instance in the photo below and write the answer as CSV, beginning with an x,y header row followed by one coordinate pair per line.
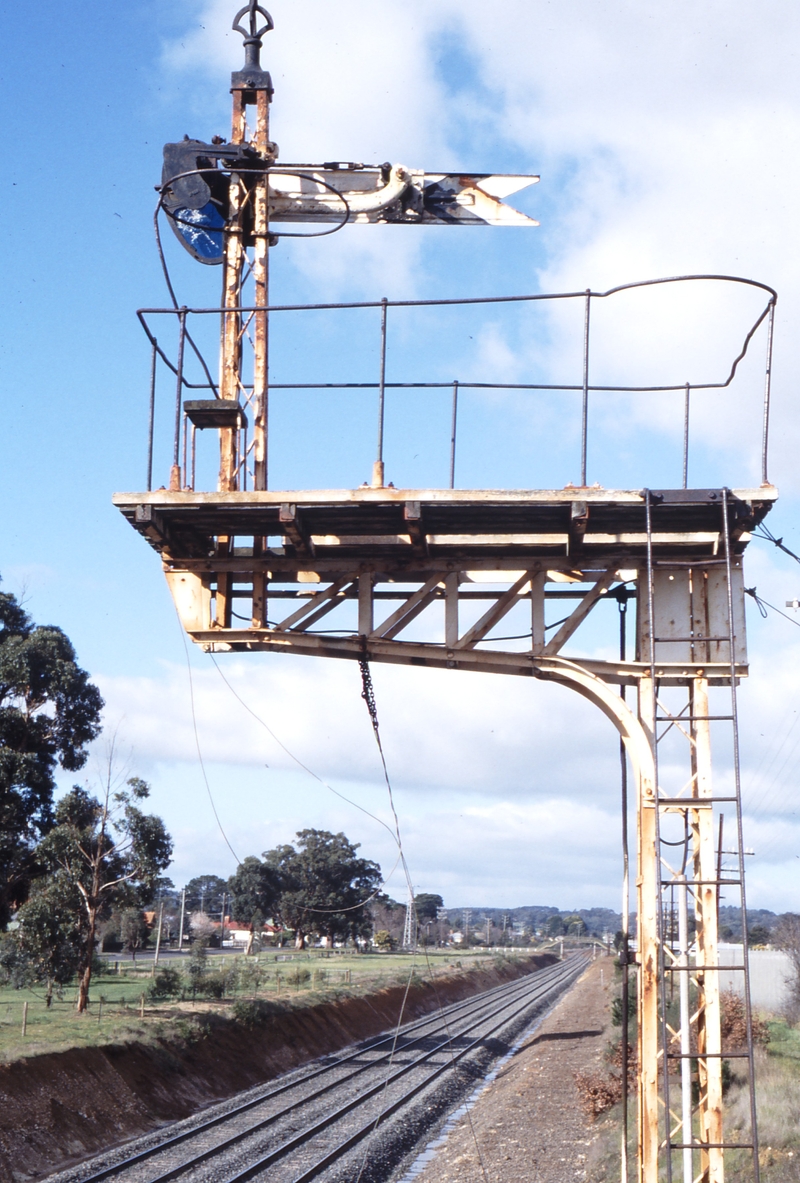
x,y
368,694
197,744
297,759
769,791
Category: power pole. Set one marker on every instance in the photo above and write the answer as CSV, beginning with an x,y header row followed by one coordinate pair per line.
x,y
158,936
183,913
410,925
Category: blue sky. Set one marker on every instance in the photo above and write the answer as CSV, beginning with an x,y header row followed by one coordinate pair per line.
x,y
663,138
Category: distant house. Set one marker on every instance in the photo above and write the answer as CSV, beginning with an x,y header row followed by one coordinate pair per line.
x,y
237,933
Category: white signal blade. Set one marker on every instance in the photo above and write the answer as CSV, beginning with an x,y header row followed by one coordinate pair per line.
x,y
399,195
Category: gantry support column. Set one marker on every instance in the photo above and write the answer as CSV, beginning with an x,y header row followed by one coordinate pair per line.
x,y
647,937
709,1039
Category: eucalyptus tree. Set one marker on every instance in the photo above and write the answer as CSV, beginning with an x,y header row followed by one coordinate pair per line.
x,y
110,851
49,714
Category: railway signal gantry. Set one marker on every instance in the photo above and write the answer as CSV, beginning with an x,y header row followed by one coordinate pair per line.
x,y
425,576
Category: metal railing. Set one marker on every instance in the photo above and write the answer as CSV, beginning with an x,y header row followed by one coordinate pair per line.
x,y
585,388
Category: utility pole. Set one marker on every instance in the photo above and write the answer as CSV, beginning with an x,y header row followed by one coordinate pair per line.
x,y
222,922
158,936
410,926
183,913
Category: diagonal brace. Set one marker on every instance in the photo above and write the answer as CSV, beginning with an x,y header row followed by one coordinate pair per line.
x,y
316,606
581,612
407,610
497,611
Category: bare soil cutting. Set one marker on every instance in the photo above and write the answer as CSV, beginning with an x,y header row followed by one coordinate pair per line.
x,y
58,1109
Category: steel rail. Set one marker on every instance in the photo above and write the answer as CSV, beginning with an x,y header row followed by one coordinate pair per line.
x,y
465,1007
372,1125
236,1138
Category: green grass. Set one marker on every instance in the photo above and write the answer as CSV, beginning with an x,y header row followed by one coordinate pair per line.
x,y
114,1014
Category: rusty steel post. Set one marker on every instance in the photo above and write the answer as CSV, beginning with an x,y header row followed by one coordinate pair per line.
x,y
709,1039
248,222
230,379
261,343
261,298
647,954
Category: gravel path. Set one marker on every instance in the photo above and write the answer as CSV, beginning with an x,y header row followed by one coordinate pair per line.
x,y
528,1124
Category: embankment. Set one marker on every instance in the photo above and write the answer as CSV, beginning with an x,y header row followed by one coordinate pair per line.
x,y
57,1109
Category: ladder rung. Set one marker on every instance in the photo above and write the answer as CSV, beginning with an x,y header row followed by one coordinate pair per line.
x,y
710,1145
694,718
708,1056
671,969
692,802
667,640
699,882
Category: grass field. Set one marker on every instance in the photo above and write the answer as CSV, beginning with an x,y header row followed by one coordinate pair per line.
x,y
122,1010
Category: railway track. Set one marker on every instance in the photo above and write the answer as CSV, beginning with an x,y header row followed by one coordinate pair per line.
x,y
355,1115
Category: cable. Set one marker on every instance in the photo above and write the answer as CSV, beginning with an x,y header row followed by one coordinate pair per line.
x,y
454,1064
764,604
368,694
197,743
768,536
387,878
297,759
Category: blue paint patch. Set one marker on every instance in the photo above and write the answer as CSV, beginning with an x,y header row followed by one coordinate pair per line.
x,y
200,231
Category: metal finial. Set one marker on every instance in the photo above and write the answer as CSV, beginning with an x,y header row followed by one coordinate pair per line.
x,y
252,39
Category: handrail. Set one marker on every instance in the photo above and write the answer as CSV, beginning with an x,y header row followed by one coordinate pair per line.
x,y
585,386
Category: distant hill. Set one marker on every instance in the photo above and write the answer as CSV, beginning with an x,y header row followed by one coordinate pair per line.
x,y
535,916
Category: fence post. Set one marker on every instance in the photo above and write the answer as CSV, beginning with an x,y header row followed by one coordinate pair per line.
x,y
141,1007
24,1018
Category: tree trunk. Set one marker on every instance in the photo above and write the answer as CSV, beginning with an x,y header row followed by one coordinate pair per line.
x,y
86,968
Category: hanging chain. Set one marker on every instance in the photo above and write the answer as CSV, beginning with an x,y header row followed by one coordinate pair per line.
x,y
368,693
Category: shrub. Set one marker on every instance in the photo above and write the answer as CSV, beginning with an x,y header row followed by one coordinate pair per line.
x,y
251,1013
213,985
297,976
598,1091
734,1023
167,983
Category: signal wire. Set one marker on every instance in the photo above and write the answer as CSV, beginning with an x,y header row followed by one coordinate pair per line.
x,y
297,759
325,785
368,694
197,744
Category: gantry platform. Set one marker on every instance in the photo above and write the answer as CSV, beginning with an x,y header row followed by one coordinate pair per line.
x,y
501,546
